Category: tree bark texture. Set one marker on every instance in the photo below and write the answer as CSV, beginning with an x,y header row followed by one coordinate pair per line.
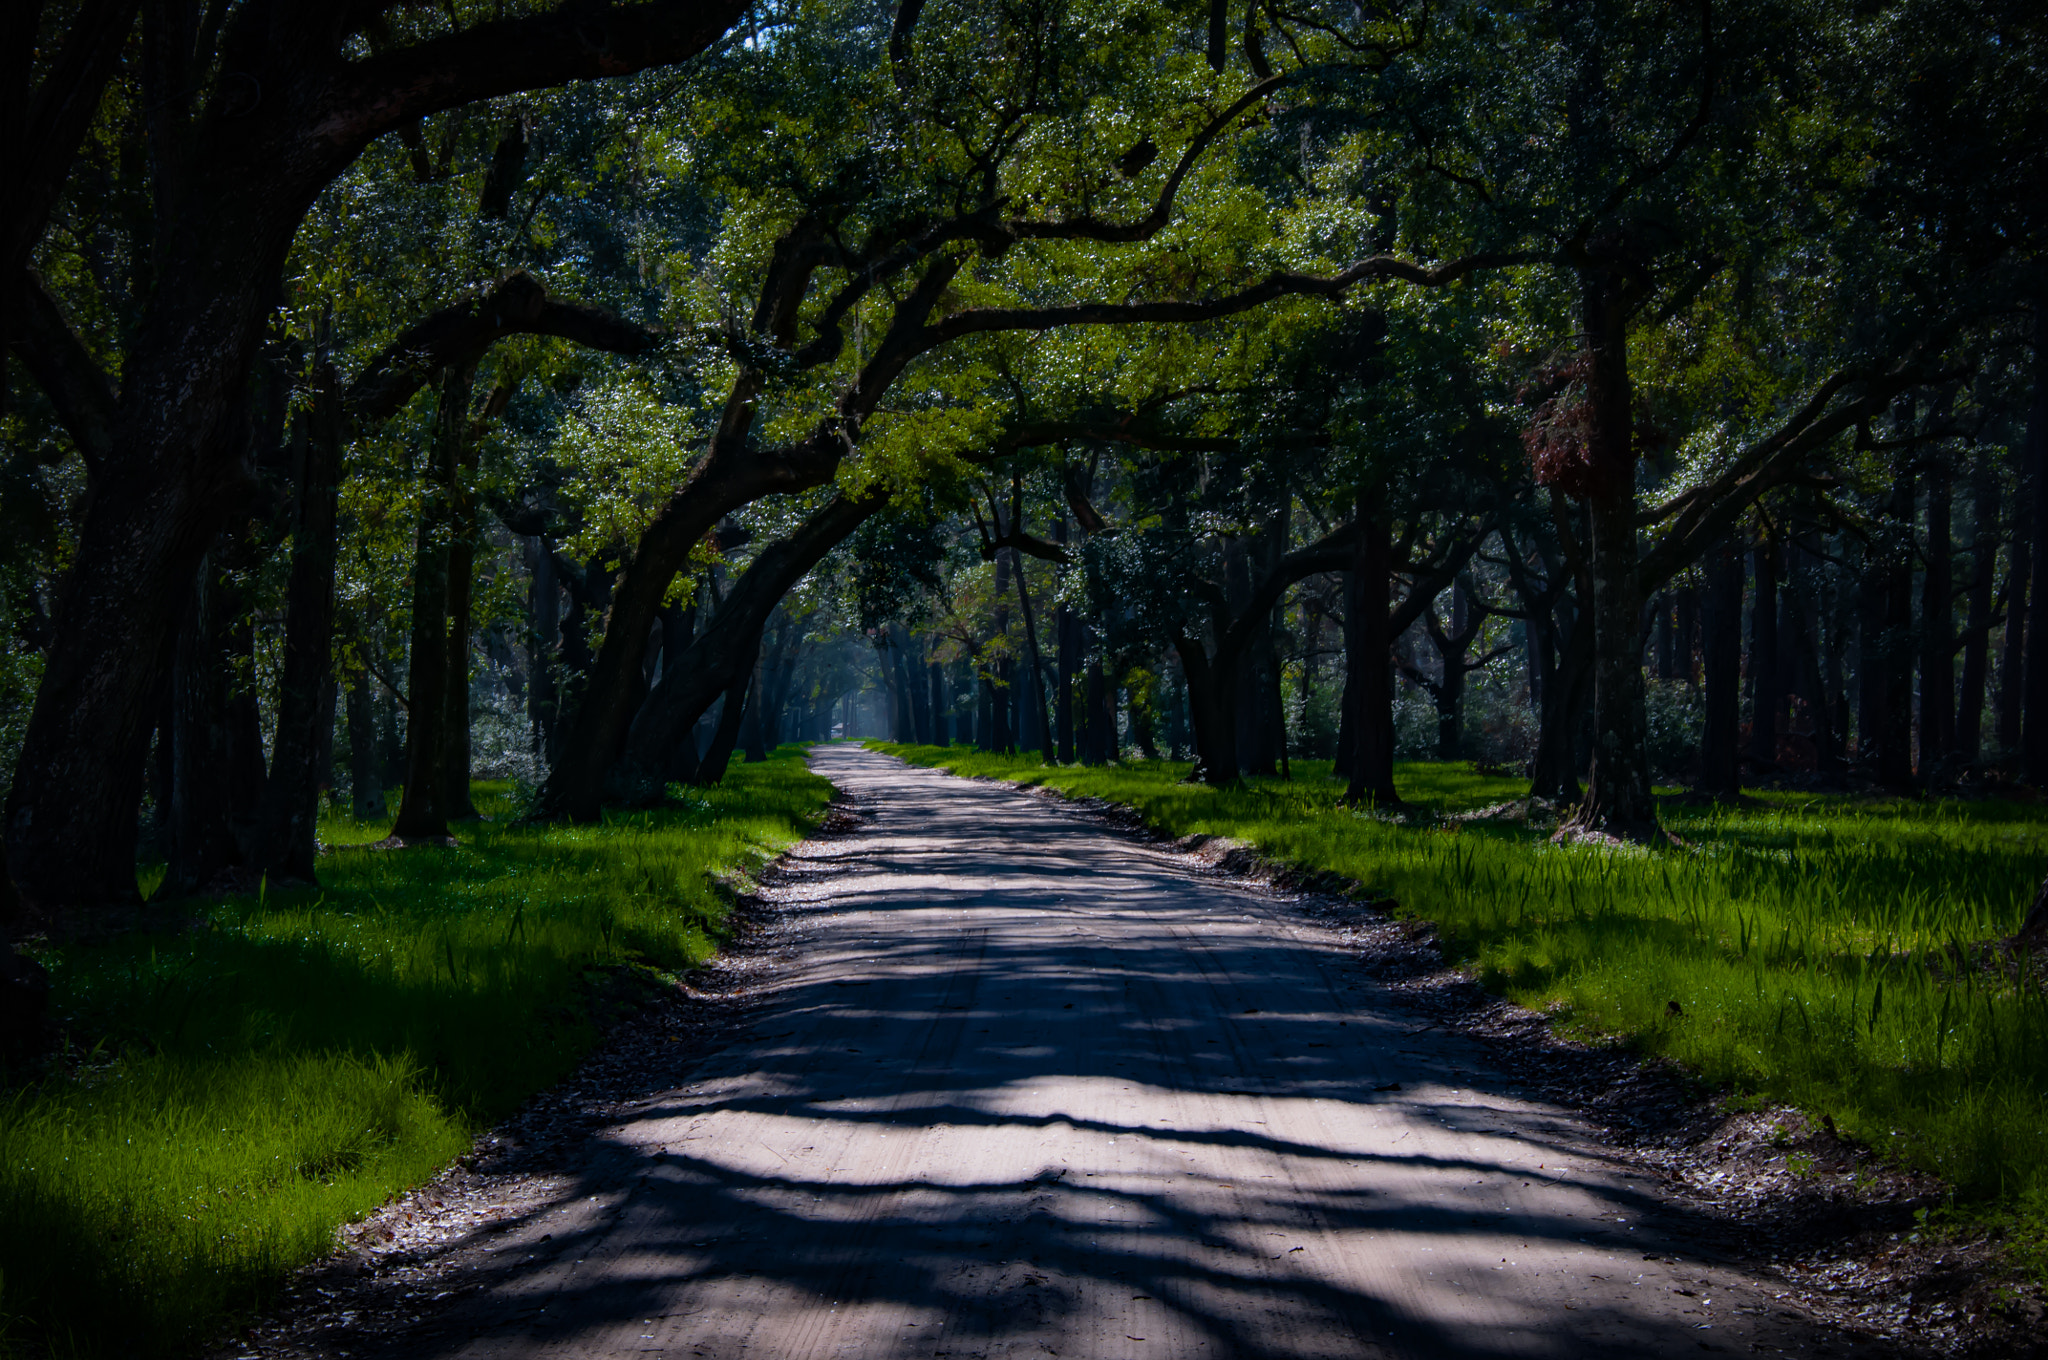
x,y
1042,729
725,736
2034,458
292,792
1554,775
1977,618
1617,800
291,111
1767,688
731,641
1937,629
753,746
1895,647
1212,711
2012,651
462,529
1721,646
217,780
365,778
1372,660
423,808
1064,626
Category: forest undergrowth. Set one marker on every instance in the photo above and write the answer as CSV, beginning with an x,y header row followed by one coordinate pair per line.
x,y
1831,952
236,1091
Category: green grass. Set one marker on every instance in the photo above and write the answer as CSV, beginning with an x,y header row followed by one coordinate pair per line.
x,y
1806,939
255,1083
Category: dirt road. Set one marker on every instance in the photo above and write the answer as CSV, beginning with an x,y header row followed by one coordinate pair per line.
x,y
1035,1091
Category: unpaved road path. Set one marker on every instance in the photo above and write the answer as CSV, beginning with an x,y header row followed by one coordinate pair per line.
x,y
1034,1090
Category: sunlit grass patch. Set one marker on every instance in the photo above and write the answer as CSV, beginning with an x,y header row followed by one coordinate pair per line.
x,y
1825,951
253,1084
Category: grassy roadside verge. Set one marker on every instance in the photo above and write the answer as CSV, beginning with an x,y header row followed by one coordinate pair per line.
x,y
1812,942
254,1083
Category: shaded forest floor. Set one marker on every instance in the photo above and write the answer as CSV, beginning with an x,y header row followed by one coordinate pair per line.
x,y
231,1093
1832,955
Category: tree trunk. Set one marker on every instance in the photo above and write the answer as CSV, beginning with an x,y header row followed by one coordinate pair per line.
x,y
1768,689
1372,661
292,793
1618,800
202,838
732,640
752,744
1063,695
365,782
985,711
1554,776
1212,710
1977,620
461,610
1100,731
24,985
544,610
1721,644
2012,651
1895,742
423,810
1688,635
2034,458
719,755
1937,630
1041,728
914,680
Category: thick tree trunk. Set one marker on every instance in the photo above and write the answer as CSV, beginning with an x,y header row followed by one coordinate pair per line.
x,y
914,682
365,780
719,754
217,755
544,611
1871,684
1937,630
455,682
752,743
1372,660
984,711
1688,635
1041,730
1063,696
233,199
1663,644
1977,621
1618,800
292,792
1835,680
24,985
1895,654
1767,683
423,810
1720,773
2034,459
1450,694
733,638
1554,772
1212,711
2012,651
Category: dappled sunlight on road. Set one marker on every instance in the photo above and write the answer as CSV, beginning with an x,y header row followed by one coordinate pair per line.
x,y
1034,1090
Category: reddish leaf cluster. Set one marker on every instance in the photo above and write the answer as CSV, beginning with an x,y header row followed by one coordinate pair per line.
x,y
1558,437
